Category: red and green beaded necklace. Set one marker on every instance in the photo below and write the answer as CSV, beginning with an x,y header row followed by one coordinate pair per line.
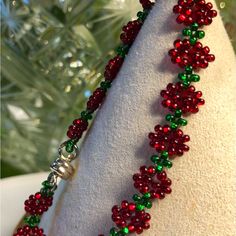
x,y
168,140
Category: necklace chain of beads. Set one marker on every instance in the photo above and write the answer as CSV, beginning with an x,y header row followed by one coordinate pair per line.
x,y
168,140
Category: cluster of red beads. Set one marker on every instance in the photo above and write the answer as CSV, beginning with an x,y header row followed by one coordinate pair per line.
x,y
149,180
146,4
126,215
76,130
185,54
37,204
96,99
113,67
194,11
29,231
169,140
130,31
177,96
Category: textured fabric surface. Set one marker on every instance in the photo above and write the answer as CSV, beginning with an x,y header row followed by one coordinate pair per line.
x,y
203,197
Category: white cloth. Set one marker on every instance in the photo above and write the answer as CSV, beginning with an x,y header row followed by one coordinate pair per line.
x,y
203,197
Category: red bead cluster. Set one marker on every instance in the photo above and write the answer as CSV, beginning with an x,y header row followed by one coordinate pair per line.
x,y
185,54
127,216
96,99
76,130
29,231
169,140
113,67
149,180
37,204
130,31
177,96
146,4
194,11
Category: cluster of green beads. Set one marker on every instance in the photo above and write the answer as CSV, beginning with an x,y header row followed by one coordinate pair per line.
x,y
32,221
123,50
161,161
188,76
47,189
142,201
176,119
142,15
193,33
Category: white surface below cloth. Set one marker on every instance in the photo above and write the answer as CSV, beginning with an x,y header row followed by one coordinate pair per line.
x,y
203,180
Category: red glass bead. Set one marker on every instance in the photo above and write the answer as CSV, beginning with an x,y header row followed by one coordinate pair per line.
x,y
29,231
177,96
130,31
127,216
112,68
146,4
37,204
185,54
172,141
96,99
156,183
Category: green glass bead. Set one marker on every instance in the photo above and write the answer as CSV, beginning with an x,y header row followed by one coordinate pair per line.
x,y
113,232
194,78
200,34
182,76
169,117
186,83
186,32
105,85
193,40
122,50
47,184
168,164
86,115
155,159
194,26
125,230
70,146
159,168
182,122
139,207
148,204
146,195
178,113
189,70
173,125
136,197
164,154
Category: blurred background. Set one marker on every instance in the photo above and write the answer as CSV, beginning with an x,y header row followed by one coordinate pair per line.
x,y
52,56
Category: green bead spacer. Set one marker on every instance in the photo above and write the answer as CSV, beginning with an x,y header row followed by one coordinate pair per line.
x,y
70,146
136,197
139,207
105,85
86,115
186,32
186,83
173,125
159,168
194,78
47,184
125,230
182,76
168,164
193,40
182,122
164,154
189,70
146,195
200,34
113,232
178,113
32,221
194,26
155,159
148,204
169,117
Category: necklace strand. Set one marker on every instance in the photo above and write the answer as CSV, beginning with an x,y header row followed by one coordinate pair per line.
x,y
168,140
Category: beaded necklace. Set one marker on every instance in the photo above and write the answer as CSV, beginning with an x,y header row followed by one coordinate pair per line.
x,y
168,140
